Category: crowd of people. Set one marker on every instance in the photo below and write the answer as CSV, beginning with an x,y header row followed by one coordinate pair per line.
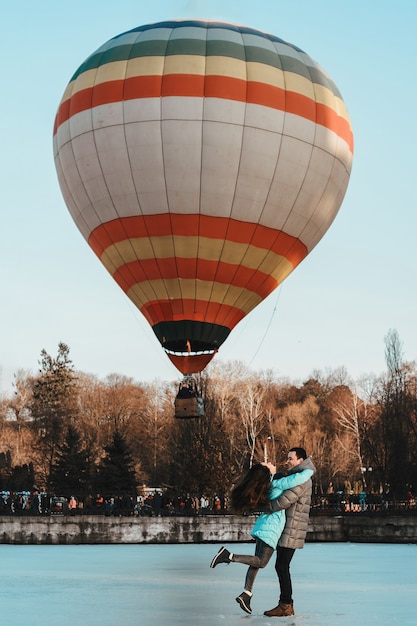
x,y
155,503
342,502
160,504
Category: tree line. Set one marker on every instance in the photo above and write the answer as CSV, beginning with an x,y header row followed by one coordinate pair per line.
x,y
69,432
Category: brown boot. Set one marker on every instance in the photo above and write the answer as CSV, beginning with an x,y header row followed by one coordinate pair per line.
x,y
282,610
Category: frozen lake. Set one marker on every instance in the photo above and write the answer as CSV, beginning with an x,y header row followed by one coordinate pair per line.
x,y
335,584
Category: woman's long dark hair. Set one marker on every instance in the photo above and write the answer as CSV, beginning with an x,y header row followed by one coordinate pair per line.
x,y
251,493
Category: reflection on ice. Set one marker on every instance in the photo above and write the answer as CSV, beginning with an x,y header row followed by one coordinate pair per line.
x,y
334,585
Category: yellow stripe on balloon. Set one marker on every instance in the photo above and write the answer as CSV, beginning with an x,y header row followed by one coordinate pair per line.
x,y
183,289
145,66
127,251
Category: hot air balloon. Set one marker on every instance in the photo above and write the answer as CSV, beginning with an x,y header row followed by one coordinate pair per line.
x,y
202,161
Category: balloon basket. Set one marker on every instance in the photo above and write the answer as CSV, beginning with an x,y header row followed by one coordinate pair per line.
x,y
189,408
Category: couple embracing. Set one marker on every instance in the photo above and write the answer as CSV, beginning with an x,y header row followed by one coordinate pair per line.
x,y
283,527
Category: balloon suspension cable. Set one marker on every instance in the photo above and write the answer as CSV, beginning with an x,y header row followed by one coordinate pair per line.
x,y
268,326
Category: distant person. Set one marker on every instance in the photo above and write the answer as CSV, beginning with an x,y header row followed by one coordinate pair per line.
x,y
217,504
253,493
72,505
296,502
157,503
186,390
35,502
204,505
99,502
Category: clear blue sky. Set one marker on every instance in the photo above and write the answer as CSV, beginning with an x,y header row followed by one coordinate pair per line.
x,y
338,305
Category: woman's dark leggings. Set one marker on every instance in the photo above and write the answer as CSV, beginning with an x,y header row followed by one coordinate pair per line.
x,y
263,554
282,568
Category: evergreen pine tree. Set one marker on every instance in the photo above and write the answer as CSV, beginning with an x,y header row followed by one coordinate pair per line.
x,y
54,402
70,472
116,471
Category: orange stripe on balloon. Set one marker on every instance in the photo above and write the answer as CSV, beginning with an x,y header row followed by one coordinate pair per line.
x,y
268,95
170,224
112,91
301,105
63,114
189,85
225,87
196,310
210,271
192,363
209,86
81,101
325,116
136,85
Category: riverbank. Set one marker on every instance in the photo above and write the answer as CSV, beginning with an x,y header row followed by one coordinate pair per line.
x,y
96,529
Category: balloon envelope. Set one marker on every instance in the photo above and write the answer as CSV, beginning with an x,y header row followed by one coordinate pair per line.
x,y
202,161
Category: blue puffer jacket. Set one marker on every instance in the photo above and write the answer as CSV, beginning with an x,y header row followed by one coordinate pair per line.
x,y
269,526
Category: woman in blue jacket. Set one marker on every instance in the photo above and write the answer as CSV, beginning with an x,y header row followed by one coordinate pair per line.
x,y
260,485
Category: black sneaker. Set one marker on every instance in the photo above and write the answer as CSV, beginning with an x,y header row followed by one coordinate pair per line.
x,y
223,556
244,601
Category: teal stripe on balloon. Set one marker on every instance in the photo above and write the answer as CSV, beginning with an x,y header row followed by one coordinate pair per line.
x,y
169,45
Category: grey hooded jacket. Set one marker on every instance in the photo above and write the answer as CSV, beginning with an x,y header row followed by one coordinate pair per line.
x,y
297,502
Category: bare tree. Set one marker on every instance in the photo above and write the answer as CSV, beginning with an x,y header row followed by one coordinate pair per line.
x,y
18,410
148,431
397,418
253,413
349,416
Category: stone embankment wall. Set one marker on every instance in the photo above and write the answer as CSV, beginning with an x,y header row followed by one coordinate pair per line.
x,y
216,529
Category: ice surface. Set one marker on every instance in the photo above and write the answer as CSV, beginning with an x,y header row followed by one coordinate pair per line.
x,y
335,584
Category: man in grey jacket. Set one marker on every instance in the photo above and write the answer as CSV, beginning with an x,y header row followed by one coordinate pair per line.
x,y
296,501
